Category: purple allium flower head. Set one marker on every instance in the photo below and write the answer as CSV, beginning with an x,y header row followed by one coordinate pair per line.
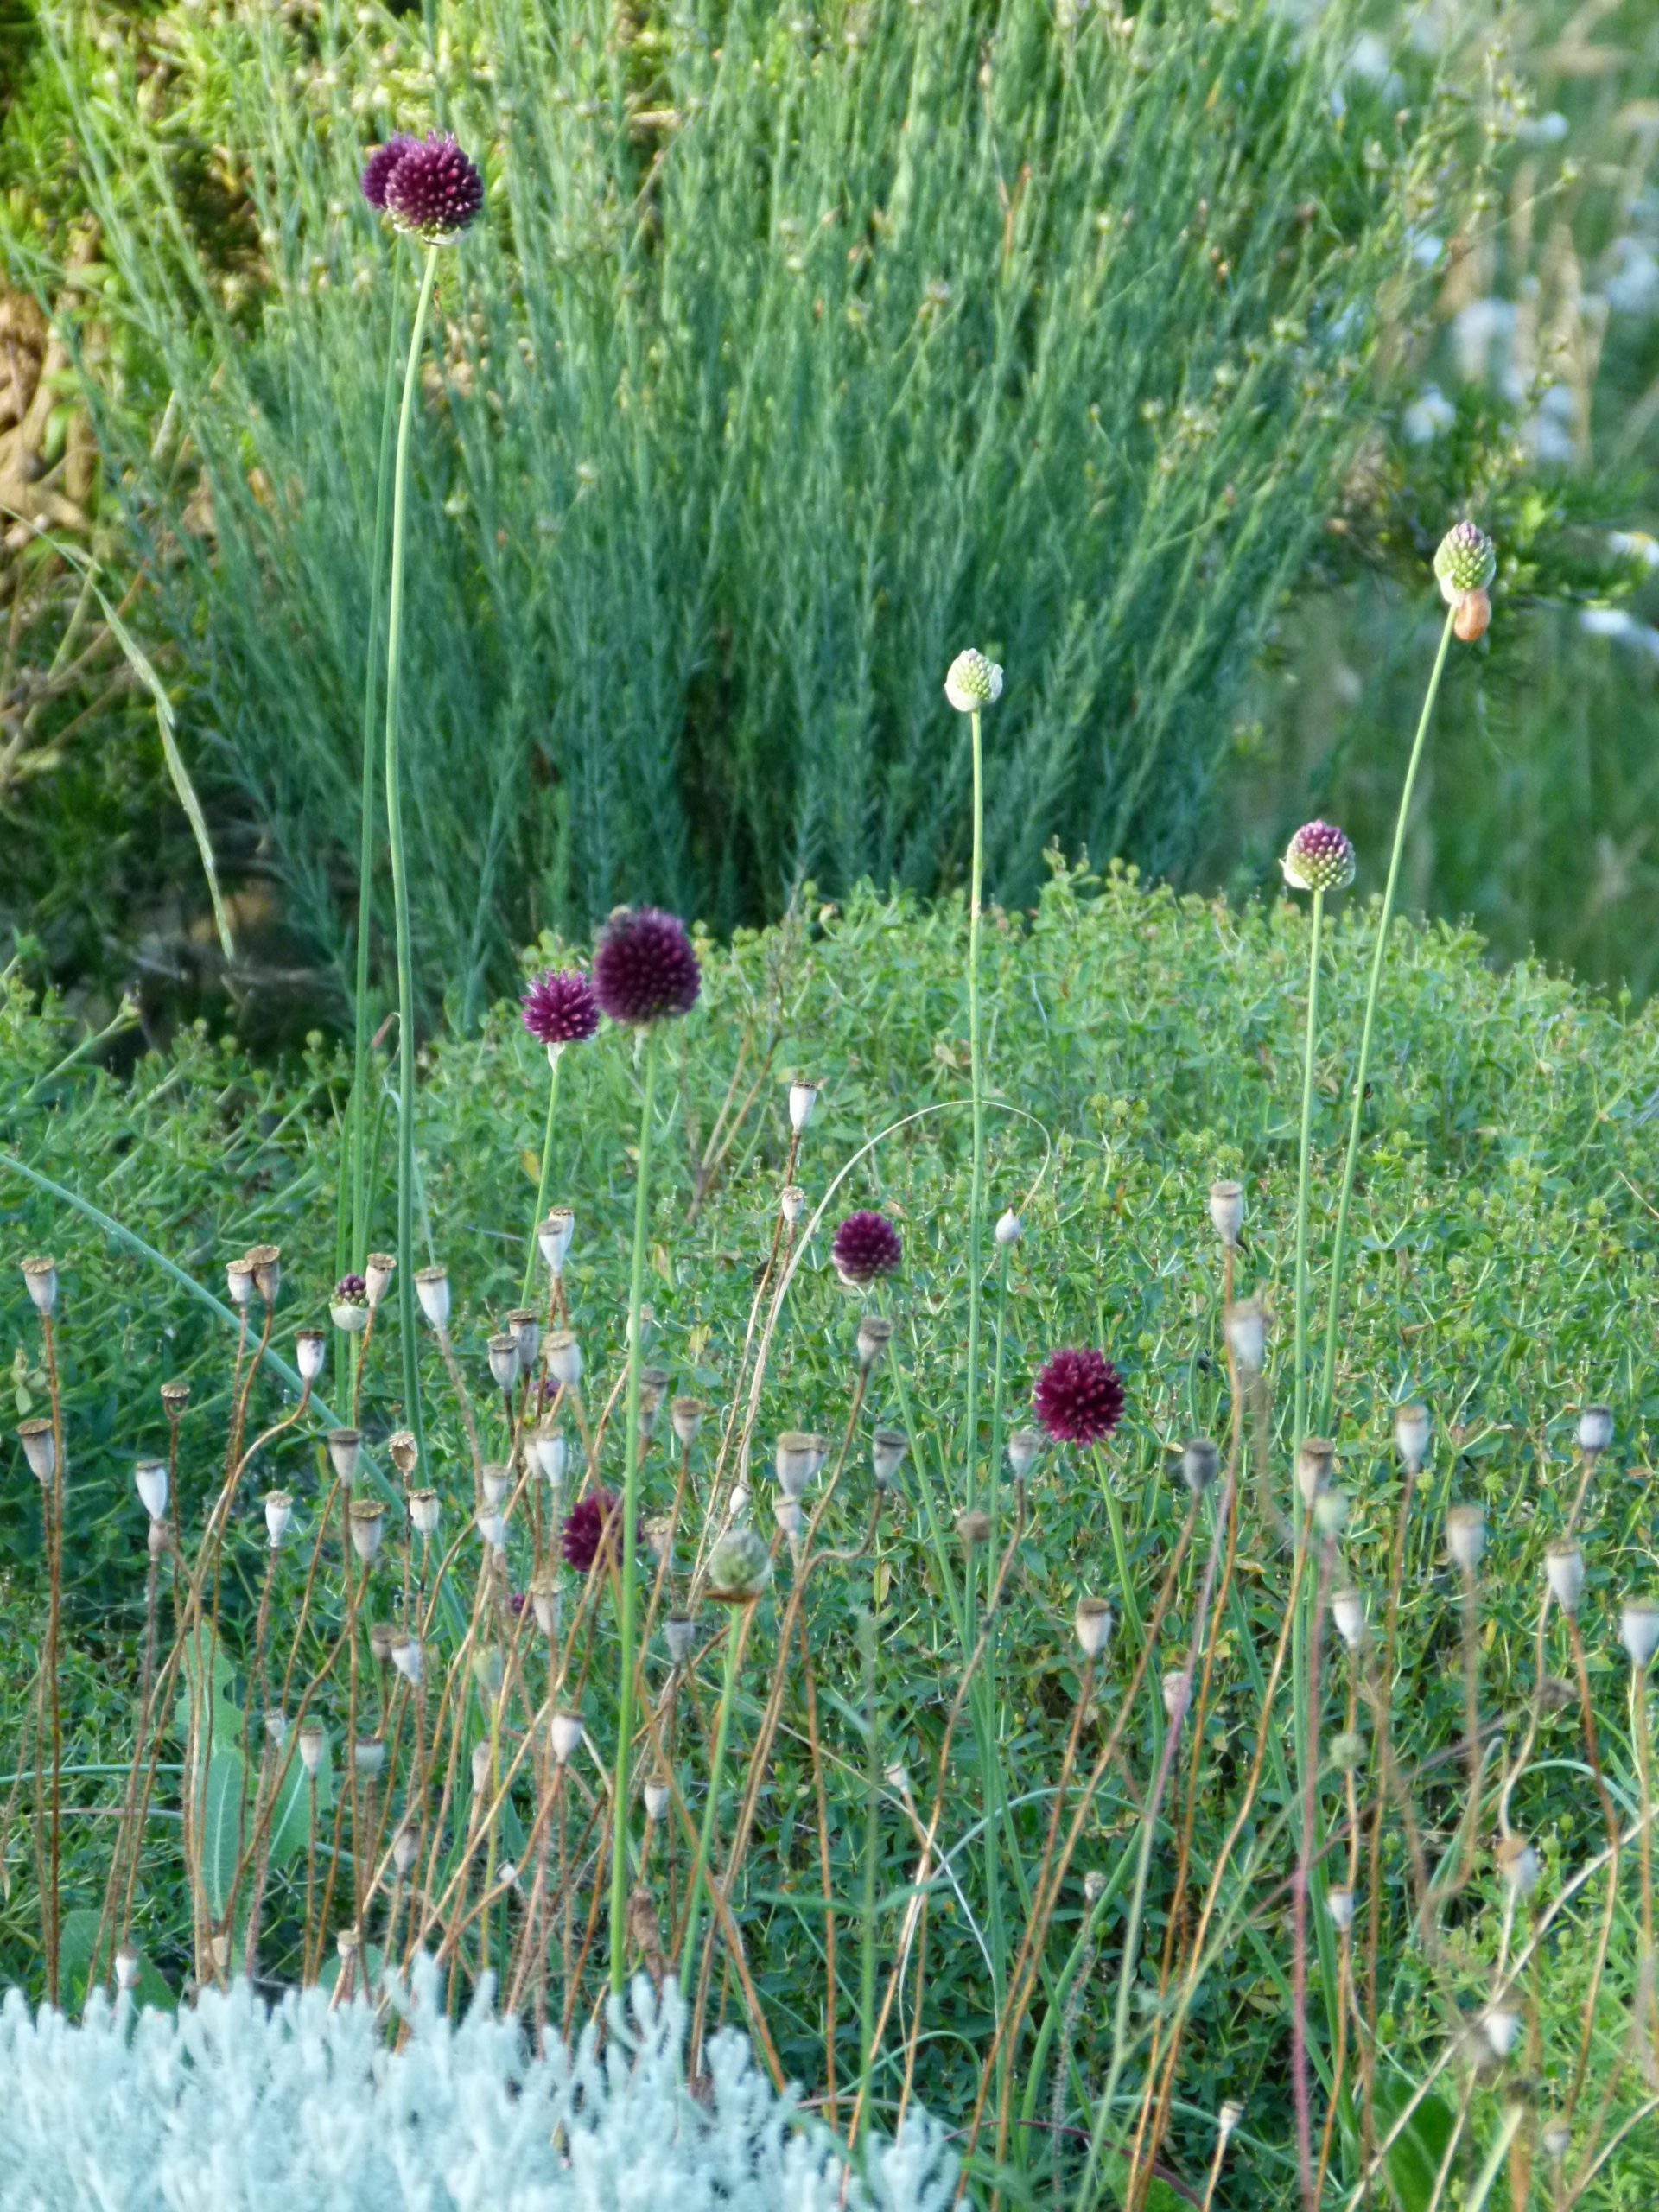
x,y
351,1290
1465,561
586,1528
1319,858
1080,1397
865,1247
377,170
644,966
560,1009
433,189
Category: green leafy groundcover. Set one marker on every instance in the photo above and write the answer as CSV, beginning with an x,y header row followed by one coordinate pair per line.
x,y
1140,1044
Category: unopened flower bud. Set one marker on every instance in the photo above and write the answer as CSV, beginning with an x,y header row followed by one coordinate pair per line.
x,y
1009,1228
561,1356
150,1480
1227,1210
1024,1445
279,1511
739,1567
368,1526
553,1235
310,1349
888,1449
803,1097
1466,1536
41,1281
1564,1572
1595,1429
1411,1426
1092,1621
345,1450
972,681
1320,857
504,1359
1464,561
432,1288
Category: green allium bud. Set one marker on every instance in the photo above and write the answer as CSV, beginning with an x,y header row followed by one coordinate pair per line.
x,y
972,681
739,1567
1466,562
1348,1751
1319,858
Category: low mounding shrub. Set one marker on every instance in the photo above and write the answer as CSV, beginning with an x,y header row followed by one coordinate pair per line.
x,y
234,2105
793,350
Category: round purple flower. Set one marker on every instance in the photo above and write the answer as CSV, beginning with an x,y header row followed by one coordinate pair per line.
x,y
433,189
585,1532
1319,858
377,170
865,1247
560,1009
351,1290
644,966
1078,1397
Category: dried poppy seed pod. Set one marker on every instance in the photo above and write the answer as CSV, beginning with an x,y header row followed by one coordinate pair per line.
x,y
1339,1904
1092,1621
739,1503
1227,1210
481,1763
1348,1611
150,1480
658,1532
405,1847
377,1271
794,1458
344,1449
279,1511
874,1335
310,1349
1331,1512
1094,1885
408,1659
1472,617
1316,1456
40,1447
1501,2023
791,1203
176,1396
553,1235
887,1450
803,1097
1517,1862
238,1281
1556,2136
41,1281
1564,1572
504,1359
402,1450
492,1530
1200,1461
368,1525
786,1512
382,1637
679,1633
550,1455
656,1794
432,1288
368,1755
973,1527
126,1969
314,1747
159,1538
561,1357
546,1604
1009,1228
495,1481
527,1325
1638,1629
1247,1334
1595,1429
1228,2119
1466,1536
972,681
277,1729
266,1262
1024,1445
685,1417
347,1943
1411,1427
1177,1688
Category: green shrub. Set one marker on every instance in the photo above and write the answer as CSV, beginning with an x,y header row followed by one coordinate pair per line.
x,y
797,353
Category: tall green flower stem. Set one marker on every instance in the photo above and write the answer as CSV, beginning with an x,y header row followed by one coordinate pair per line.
x,y
555,1054
628,1571
1299,1426
737,1631
353,1228
976,1078
400,874
1379,954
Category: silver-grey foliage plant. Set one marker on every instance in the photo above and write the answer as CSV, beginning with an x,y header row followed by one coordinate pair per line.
x,y
235,2106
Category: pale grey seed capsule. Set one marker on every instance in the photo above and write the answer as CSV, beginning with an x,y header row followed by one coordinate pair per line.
x,y
564,1733
1093,1623
492,1530
160,1537
795,1459
561,1356
402,1450
482,1760
1227,1210
1466,1536
1348,1611
1638,1629
1501,2025
150,1480
1339,1904
1595,1429
368,1755
423,1509
1009,1228
1411,1427
1517,1862
495,1481
1564,1572
874,1335
685,1417
552,1454
405,1847
504,1359
310,1350
126,1969
547,1605
368,1526
314,1747
656,1801
1247,1334
1200,1463
40,1447
527,1325
803,1097
344,1449
432,1289
1316,1457
378,1270
1177,1688
679,1633
1024,1445
887,1450
41,1281
279,1511
554,1236
791,1203
238,1281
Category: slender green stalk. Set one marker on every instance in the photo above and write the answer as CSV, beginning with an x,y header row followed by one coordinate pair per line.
x,y
977,1078
400,875
1339,1243
361,1016
1304,1156
736,1630
555,1054
630,1518
871,1855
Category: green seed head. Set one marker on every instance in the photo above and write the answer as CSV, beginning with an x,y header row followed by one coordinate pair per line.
x,y
1466,562
972,681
